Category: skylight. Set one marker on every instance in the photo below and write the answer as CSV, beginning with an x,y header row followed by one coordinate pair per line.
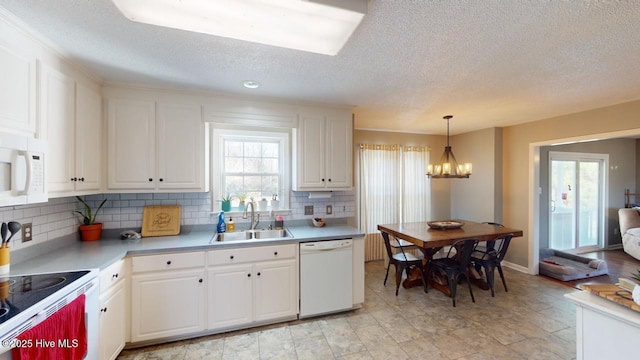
x,y
318,26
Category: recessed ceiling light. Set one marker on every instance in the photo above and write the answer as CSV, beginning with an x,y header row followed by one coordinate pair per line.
x,y
318,26
250,84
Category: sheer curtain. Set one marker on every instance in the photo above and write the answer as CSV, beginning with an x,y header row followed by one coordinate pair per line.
x,y
392,187
416,196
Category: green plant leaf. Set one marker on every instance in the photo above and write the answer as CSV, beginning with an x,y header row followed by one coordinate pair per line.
x,y
89,216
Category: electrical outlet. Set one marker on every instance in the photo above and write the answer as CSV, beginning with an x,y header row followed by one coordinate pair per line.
x,y
329,210
27,235
308,210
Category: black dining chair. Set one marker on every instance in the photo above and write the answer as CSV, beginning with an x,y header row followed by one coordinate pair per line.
x,y
454,266
401,261
490,258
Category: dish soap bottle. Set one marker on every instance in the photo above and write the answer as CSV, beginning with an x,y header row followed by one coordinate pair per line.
x,y
231,226
222,226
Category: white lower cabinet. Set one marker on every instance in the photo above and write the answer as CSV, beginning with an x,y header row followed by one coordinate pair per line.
x,y
167,295
259,285
276,293
114,309
112,321
230,299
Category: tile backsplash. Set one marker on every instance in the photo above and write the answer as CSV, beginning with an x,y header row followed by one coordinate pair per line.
x,y
55,218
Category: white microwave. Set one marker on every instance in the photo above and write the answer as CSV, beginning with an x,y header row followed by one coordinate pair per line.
x,y
22,170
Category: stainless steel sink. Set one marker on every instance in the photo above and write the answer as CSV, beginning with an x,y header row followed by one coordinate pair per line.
x,y
232,236
270,234
264,234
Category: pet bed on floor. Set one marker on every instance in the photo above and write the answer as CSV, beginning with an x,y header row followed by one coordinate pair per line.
x,y
566,267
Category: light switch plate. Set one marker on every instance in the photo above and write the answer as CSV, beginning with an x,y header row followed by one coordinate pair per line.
x,y
329,210
308,210
27,235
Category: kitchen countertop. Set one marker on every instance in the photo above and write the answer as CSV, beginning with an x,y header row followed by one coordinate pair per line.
x,y
102,253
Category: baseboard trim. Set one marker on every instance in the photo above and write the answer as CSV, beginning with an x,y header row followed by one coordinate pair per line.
x,y
614,247
513,266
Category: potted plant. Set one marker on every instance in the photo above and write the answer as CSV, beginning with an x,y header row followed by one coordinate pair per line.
x,y
89,229
242,197
226,203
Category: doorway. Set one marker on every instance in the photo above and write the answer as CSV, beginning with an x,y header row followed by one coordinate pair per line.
x,y
577,201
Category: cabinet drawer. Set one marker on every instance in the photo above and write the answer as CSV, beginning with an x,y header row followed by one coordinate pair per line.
x,y
112,274
242,255
170,261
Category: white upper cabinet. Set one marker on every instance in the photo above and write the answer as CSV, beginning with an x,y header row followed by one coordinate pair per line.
x,y
322,152
17,91
131,144
57,114
156,146
71,118
181,155
89,139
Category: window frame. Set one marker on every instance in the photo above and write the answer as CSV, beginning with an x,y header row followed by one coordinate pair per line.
x,y
217,155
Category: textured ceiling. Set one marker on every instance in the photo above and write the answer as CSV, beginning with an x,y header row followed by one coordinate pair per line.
x,y
489,63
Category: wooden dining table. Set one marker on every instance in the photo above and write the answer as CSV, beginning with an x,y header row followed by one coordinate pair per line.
x,y
431,240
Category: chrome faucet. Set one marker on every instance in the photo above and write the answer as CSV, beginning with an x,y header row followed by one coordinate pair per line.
x,y
254,222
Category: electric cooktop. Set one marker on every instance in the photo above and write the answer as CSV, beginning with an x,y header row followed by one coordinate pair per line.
x,y
18,293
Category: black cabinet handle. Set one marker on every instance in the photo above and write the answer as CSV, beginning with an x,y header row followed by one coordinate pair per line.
x,y
200,280
329,180
169,262
161,179
150,179
81,179
248,275
322,179
258,274
104,309
114,276
231,257
74,179
275,253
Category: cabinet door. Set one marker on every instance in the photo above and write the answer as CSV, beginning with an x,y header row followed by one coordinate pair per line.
x,y
309,155
131,143
112,321
58,123
165,304
230,296
88,138
180,147
276,291
17,91
339,149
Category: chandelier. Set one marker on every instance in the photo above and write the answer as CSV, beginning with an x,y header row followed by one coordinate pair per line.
x,y
448,166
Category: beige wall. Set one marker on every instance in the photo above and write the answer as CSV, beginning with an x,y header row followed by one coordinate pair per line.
x,y
478,198
637,168
517,178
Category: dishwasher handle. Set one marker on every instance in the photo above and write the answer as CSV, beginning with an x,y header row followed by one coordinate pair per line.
x,y
318,246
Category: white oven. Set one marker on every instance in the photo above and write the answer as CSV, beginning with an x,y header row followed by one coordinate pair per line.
x,y
31,299
22,170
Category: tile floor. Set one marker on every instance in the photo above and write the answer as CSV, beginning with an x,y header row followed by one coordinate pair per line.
x,y
531,321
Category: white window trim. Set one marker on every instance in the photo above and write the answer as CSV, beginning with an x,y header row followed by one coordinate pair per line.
x,y
217,149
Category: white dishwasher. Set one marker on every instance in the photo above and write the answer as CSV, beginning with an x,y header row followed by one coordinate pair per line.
x,y
326,277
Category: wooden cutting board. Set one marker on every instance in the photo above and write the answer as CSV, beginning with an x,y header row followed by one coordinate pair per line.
x,y
613,293
161,220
